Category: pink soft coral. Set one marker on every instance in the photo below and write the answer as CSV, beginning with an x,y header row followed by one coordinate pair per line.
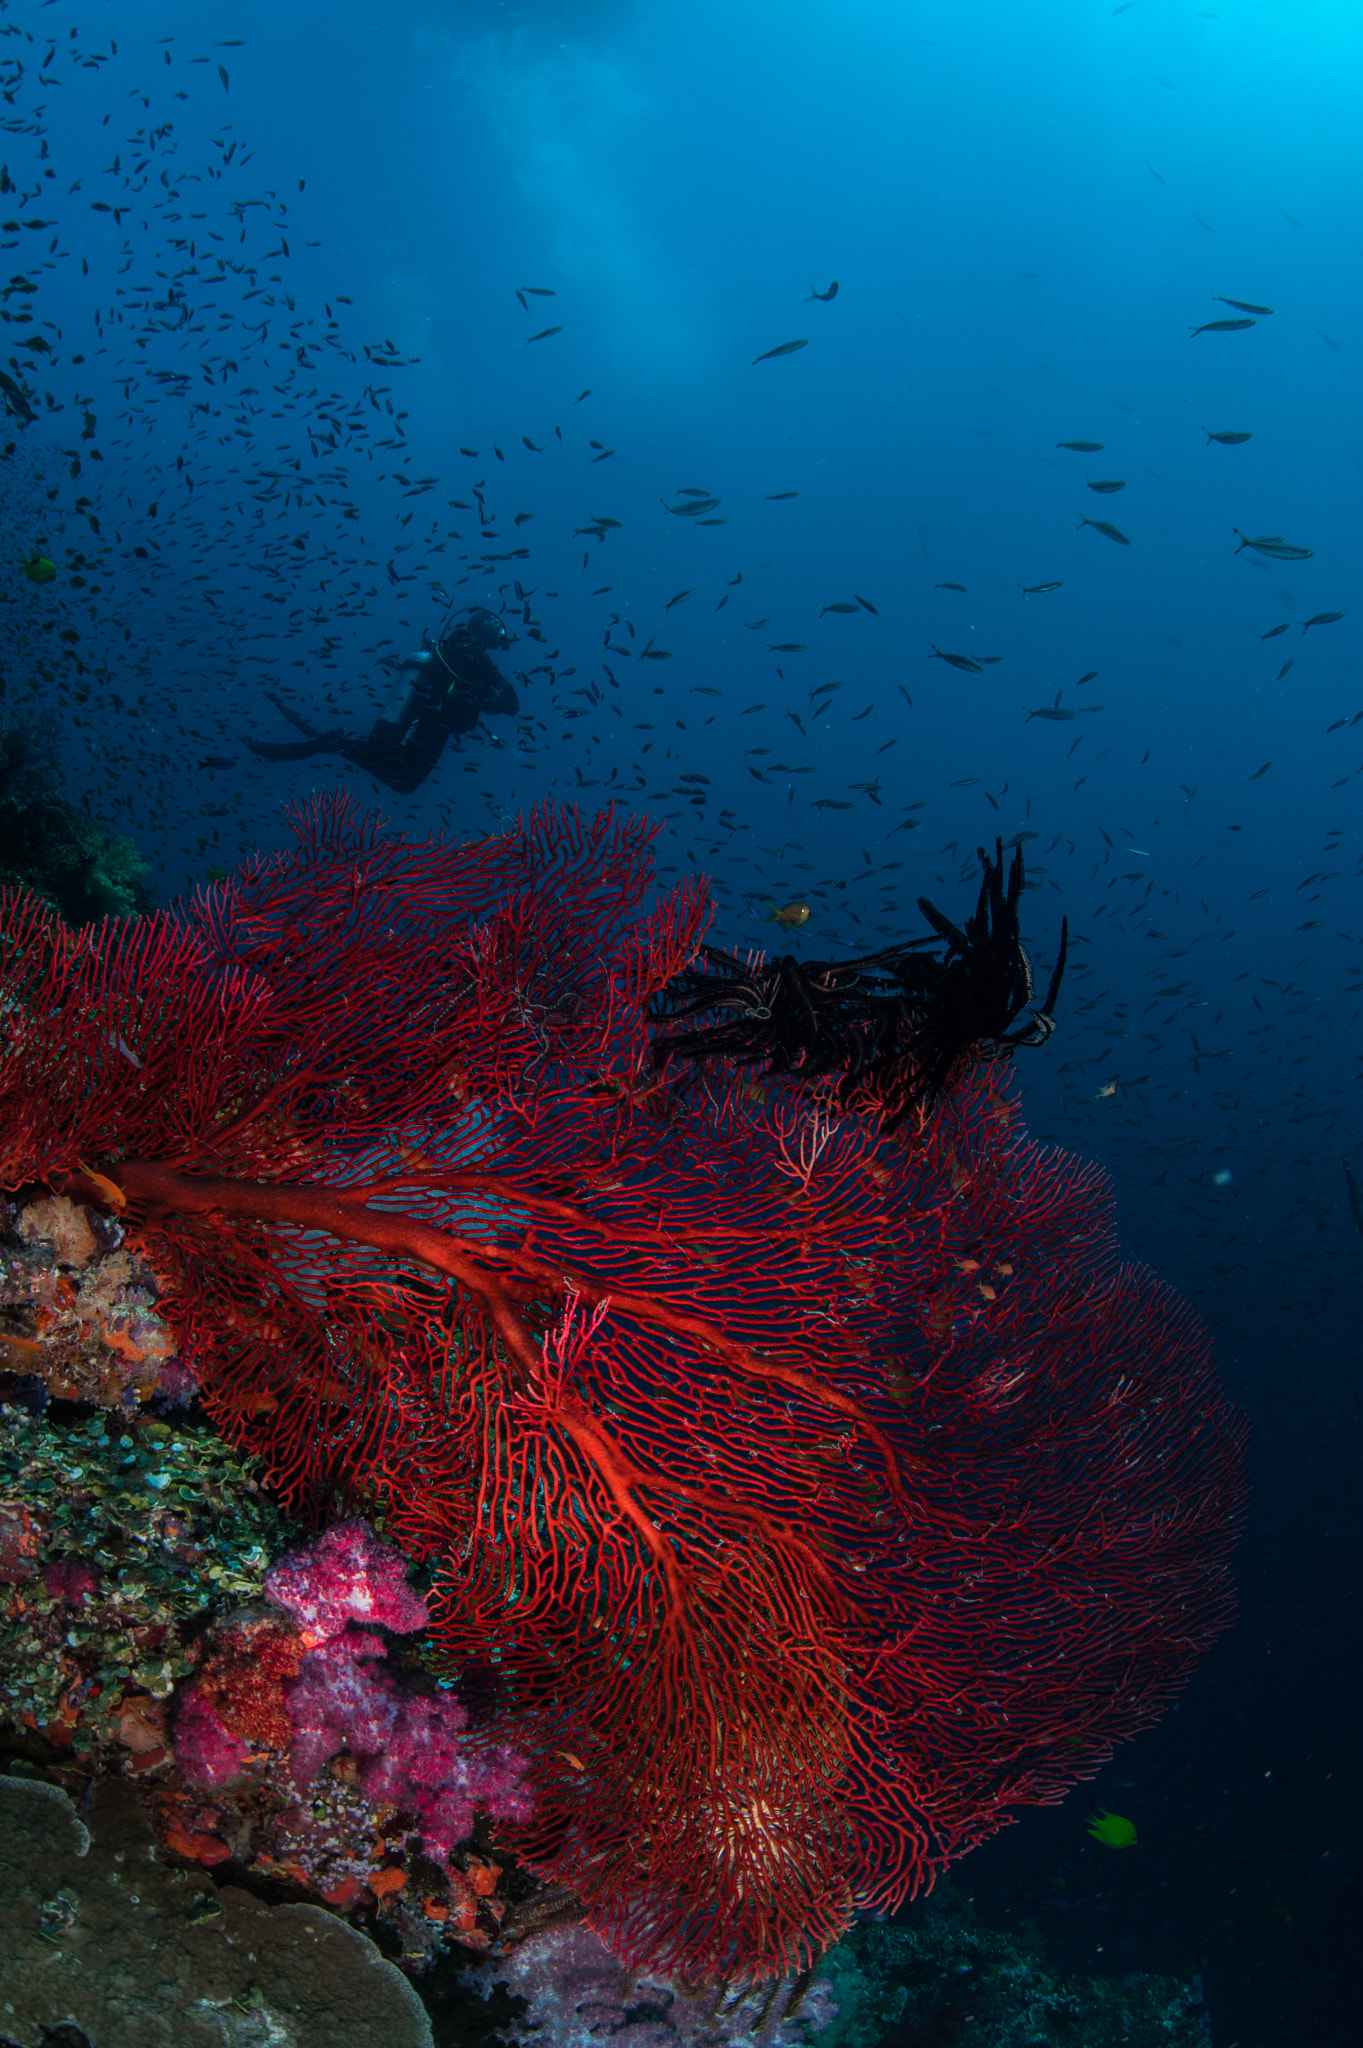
x,y
346,1575
264,1689
411,1748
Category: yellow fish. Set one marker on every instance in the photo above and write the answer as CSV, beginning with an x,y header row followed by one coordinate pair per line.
x,y
790,916
38,568
1113,1830
1105,1093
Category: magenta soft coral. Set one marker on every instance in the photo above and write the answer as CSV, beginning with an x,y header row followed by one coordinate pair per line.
x,y
233,1710
346,1575
410,1748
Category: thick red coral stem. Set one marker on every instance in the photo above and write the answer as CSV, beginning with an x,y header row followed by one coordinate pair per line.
x,y
164,1192
161,1190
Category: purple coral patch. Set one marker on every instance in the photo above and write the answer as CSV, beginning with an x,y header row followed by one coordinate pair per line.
x,y
205,1749
411,1749
70,1579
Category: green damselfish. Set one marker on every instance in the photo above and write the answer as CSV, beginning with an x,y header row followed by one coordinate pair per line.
x,y
1113,1830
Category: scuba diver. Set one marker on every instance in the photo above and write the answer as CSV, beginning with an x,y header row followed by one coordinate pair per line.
x,y
442,690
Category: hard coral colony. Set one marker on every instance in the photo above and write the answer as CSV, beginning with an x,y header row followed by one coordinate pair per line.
x,y
695,1387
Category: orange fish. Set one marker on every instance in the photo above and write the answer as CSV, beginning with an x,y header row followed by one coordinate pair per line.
x,y
109,1190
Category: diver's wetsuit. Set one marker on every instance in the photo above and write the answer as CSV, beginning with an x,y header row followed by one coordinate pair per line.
x,y
443,690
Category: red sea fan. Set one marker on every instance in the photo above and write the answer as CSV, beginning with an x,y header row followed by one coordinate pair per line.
x,y
802,1497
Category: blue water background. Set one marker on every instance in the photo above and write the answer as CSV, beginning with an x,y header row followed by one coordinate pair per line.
x,y
1027,209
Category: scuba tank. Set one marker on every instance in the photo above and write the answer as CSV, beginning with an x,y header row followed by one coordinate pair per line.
x,y
423,678
415,689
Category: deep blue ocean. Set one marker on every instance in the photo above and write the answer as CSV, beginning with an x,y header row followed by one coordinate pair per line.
x,y
341,317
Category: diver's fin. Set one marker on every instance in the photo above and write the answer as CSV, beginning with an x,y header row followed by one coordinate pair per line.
x,y
299,724
295,750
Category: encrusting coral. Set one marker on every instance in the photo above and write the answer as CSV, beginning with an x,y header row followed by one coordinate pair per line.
x,y
114,1546
940,1975
78,1310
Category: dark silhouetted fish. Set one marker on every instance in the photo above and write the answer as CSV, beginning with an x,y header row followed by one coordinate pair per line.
x,y
1106,488
16,405
1082,447
831,293
1101,526
1273,631
839,608
961,661
1037,589
784,348
949,586
1241,305
1273,545
1355,1197
543,335
1222,326
1322,619
1226,440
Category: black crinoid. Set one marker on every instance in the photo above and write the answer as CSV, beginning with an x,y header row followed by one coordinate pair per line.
x,y
896,1024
